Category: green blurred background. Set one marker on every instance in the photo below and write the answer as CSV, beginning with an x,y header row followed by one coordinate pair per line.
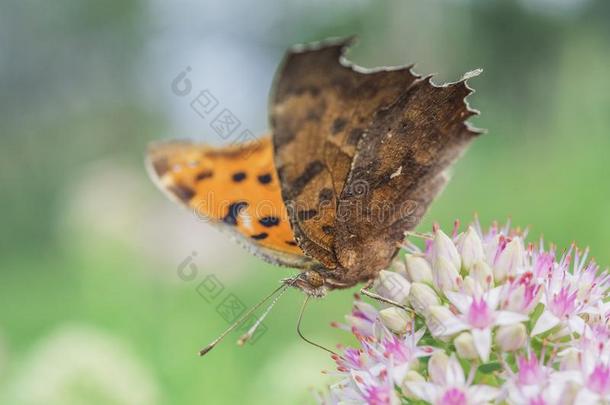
x,y
92,309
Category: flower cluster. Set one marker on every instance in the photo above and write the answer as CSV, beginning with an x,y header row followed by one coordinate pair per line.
x,y
480,317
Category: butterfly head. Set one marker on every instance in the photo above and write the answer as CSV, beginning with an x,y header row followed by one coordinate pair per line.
x,y
310,282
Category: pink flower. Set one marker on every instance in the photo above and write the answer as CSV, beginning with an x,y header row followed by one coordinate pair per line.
x,y
563,303
450,387
590,381
382,361
562,306
521,294
532,383
400,353
352,359
599,380
480,296
378,394
479,315
362,319
530,370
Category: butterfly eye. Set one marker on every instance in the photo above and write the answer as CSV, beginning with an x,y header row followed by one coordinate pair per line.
x,y
314,279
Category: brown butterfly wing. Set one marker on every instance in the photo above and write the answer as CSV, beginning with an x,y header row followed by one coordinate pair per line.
x,y
234,188
320,109
397,171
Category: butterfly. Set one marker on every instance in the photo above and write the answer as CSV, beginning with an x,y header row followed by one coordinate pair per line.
x,y
353,159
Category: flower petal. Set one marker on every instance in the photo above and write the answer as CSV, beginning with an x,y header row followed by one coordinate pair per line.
x,y
577,324
546,321
437,367
423,390
454,376
442,322
585,396
461,301
479,394
509,318
493,297
418,335
482,342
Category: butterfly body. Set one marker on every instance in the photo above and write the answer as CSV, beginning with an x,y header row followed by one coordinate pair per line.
x,y
353,162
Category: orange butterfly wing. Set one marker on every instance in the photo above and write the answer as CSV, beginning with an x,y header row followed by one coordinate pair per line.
x,y
235,188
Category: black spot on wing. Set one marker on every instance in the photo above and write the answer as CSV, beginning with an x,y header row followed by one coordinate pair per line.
x,y
338,125
260,236
239,176
282,135
183,193
205,174
313,115
233,212
354,136
269,222
313,90
306,214
327,229
265,178
325,195
291,243
297,186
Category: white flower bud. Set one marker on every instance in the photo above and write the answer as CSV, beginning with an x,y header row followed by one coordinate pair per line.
x,y
411,376
471,248
398,266
482,273
509,260
511,337
464,345
470,286
491,248
422,297
392,286
447,276
396,319
418,269
437,367
438,315
442,246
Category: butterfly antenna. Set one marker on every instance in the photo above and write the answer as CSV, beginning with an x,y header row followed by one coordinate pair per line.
x,y
238,322
301,333
248,335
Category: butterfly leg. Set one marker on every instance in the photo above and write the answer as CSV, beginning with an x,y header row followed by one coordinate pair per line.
x,y
365,291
